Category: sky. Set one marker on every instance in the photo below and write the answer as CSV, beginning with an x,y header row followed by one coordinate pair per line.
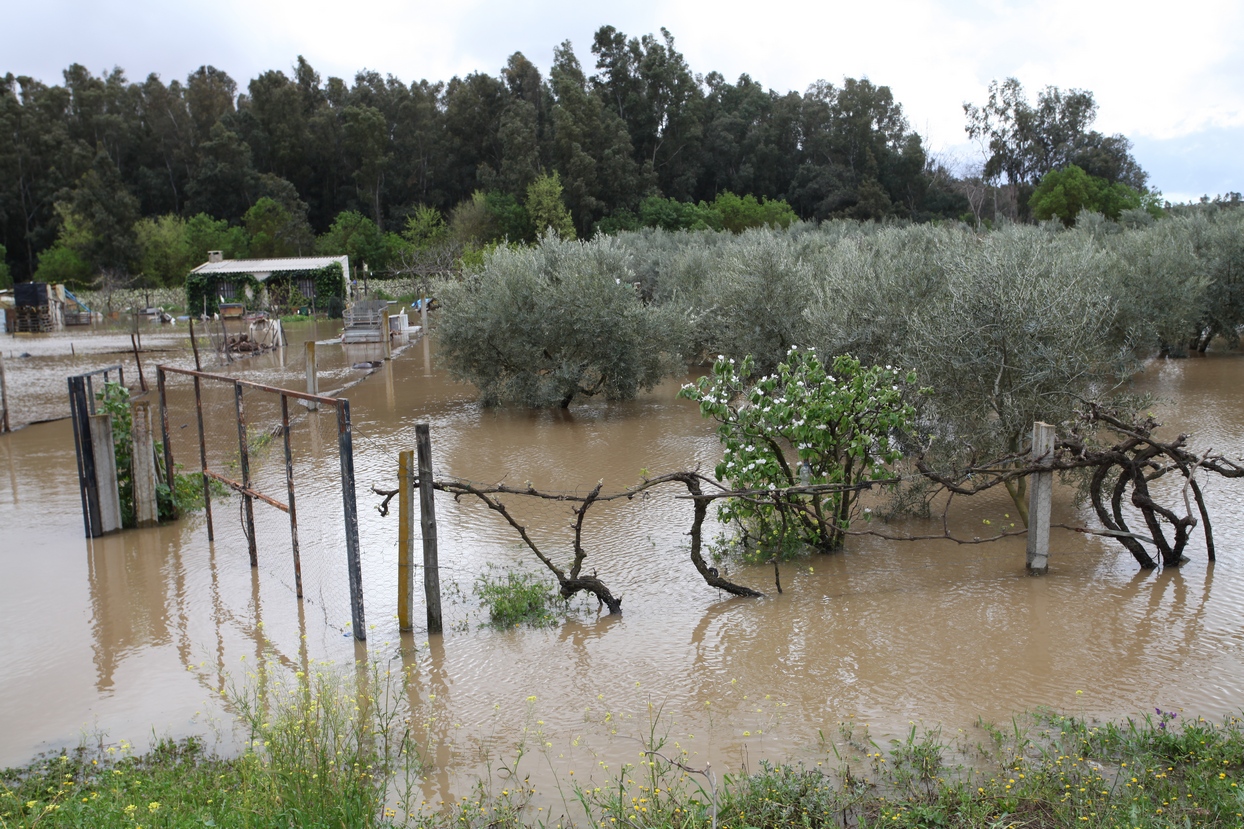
x,y
1171,80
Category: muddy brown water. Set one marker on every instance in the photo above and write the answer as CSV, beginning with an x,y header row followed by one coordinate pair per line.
x,y
137,634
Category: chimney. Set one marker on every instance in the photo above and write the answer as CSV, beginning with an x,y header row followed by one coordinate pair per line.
x,y
215,256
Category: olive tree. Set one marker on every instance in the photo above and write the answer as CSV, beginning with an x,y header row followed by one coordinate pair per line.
x,y
542,326
1022,328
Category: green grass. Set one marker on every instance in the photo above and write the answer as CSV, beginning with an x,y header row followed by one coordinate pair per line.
x,y
323,753
1057,772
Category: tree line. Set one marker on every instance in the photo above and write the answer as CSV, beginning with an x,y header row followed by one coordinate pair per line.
x,y
640,141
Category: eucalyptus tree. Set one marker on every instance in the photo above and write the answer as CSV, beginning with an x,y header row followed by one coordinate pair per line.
x,y
1024,141
648,83
591,148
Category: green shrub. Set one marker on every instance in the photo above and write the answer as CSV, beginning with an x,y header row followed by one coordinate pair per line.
x,y
516,598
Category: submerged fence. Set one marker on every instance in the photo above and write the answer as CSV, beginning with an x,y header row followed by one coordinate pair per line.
x,y
244,418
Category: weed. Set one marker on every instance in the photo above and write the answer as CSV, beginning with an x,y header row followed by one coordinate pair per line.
x,y
514,599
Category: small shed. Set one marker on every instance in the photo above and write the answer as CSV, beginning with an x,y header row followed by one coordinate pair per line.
x,y
220,280
40,307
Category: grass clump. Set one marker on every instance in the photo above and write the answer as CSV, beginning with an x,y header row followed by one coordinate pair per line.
x,y
514,599
1055,772
324,750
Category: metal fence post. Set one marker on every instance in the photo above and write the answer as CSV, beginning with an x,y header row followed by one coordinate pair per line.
x,y
345,448
427,513
80,413
289,484
207,488
248,502
170,477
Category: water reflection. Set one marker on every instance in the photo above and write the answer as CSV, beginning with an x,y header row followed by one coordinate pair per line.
x,y
129,593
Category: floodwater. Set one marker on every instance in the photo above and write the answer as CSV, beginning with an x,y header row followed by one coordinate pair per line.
x,y
137,634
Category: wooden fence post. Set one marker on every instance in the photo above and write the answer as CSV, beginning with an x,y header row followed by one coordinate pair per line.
x,y
313,379
427,513
405,539
194,346
142,380
105,473
1040,490
142,466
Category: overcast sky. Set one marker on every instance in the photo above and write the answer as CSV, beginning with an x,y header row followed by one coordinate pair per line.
x,y
1169,76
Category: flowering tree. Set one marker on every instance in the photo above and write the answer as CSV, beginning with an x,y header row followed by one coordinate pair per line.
x,y
803,443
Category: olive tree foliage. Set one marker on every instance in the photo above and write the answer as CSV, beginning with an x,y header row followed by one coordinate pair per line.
x,y
1161,286
1006,328
1217,238
1022,328
546,325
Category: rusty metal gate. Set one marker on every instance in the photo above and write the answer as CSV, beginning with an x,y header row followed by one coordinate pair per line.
x,y
246,487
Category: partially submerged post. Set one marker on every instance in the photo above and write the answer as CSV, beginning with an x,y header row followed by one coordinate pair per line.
x,y
289,489
194,346
143,471
427,514
81,408
248,502
405,539
142,381
4,399
1040,490
354,566
105,458
313,379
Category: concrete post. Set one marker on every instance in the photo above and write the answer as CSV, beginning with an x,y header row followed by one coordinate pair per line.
x,y
105,473
313,379
146,512
1040,490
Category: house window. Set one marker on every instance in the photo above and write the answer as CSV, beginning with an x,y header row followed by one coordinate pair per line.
x,y
306,286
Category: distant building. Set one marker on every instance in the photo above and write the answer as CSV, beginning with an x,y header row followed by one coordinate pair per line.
x,y
227,285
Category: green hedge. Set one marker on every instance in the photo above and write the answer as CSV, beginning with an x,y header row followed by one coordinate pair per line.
x,y
202,286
